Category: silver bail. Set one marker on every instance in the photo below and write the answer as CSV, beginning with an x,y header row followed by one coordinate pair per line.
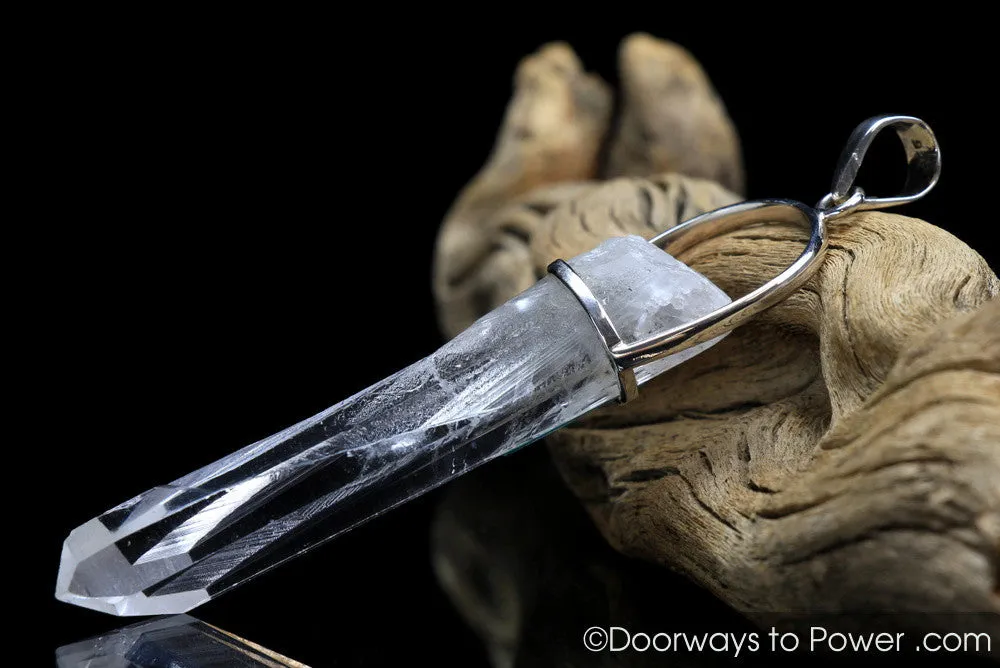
x,y
923,162
923,165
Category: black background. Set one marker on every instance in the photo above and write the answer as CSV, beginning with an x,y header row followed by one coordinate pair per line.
x,y
235,230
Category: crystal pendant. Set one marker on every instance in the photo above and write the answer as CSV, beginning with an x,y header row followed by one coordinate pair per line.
x,y
521,371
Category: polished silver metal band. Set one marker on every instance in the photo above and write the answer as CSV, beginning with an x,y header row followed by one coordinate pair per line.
x,y
923,159
627,385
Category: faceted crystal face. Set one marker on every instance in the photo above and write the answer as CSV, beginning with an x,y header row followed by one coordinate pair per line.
x,y
523,370
174,642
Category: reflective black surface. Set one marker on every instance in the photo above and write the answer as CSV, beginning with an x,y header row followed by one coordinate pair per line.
x,y
179,641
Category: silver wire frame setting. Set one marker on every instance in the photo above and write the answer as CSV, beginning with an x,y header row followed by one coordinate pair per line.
x,y
923,161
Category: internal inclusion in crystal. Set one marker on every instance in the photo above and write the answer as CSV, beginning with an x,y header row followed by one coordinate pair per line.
x,y
519,372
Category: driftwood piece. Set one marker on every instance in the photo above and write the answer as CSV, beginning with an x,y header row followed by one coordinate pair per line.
x,y
841,453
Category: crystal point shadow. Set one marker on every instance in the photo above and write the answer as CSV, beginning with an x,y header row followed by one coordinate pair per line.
x,y
179,641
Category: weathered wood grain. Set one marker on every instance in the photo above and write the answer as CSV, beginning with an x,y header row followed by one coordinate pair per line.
x,y
839,454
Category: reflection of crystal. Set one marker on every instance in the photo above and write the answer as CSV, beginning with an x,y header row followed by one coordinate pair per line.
x,y
528,367
177,642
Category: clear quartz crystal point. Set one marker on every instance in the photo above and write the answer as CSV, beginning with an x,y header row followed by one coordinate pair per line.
x,y
521,371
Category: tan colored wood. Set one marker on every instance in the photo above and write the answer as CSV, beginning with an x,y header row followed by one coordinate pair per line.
x,y
840,453
672,119
552,132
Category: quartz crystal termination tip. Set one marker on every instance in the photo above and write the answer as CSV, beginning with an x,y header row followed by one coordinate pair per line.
x,y
521,371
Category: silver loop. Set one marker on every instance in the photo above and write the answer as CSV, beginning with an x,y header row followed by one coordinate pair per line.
x,y
923,161
830,209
